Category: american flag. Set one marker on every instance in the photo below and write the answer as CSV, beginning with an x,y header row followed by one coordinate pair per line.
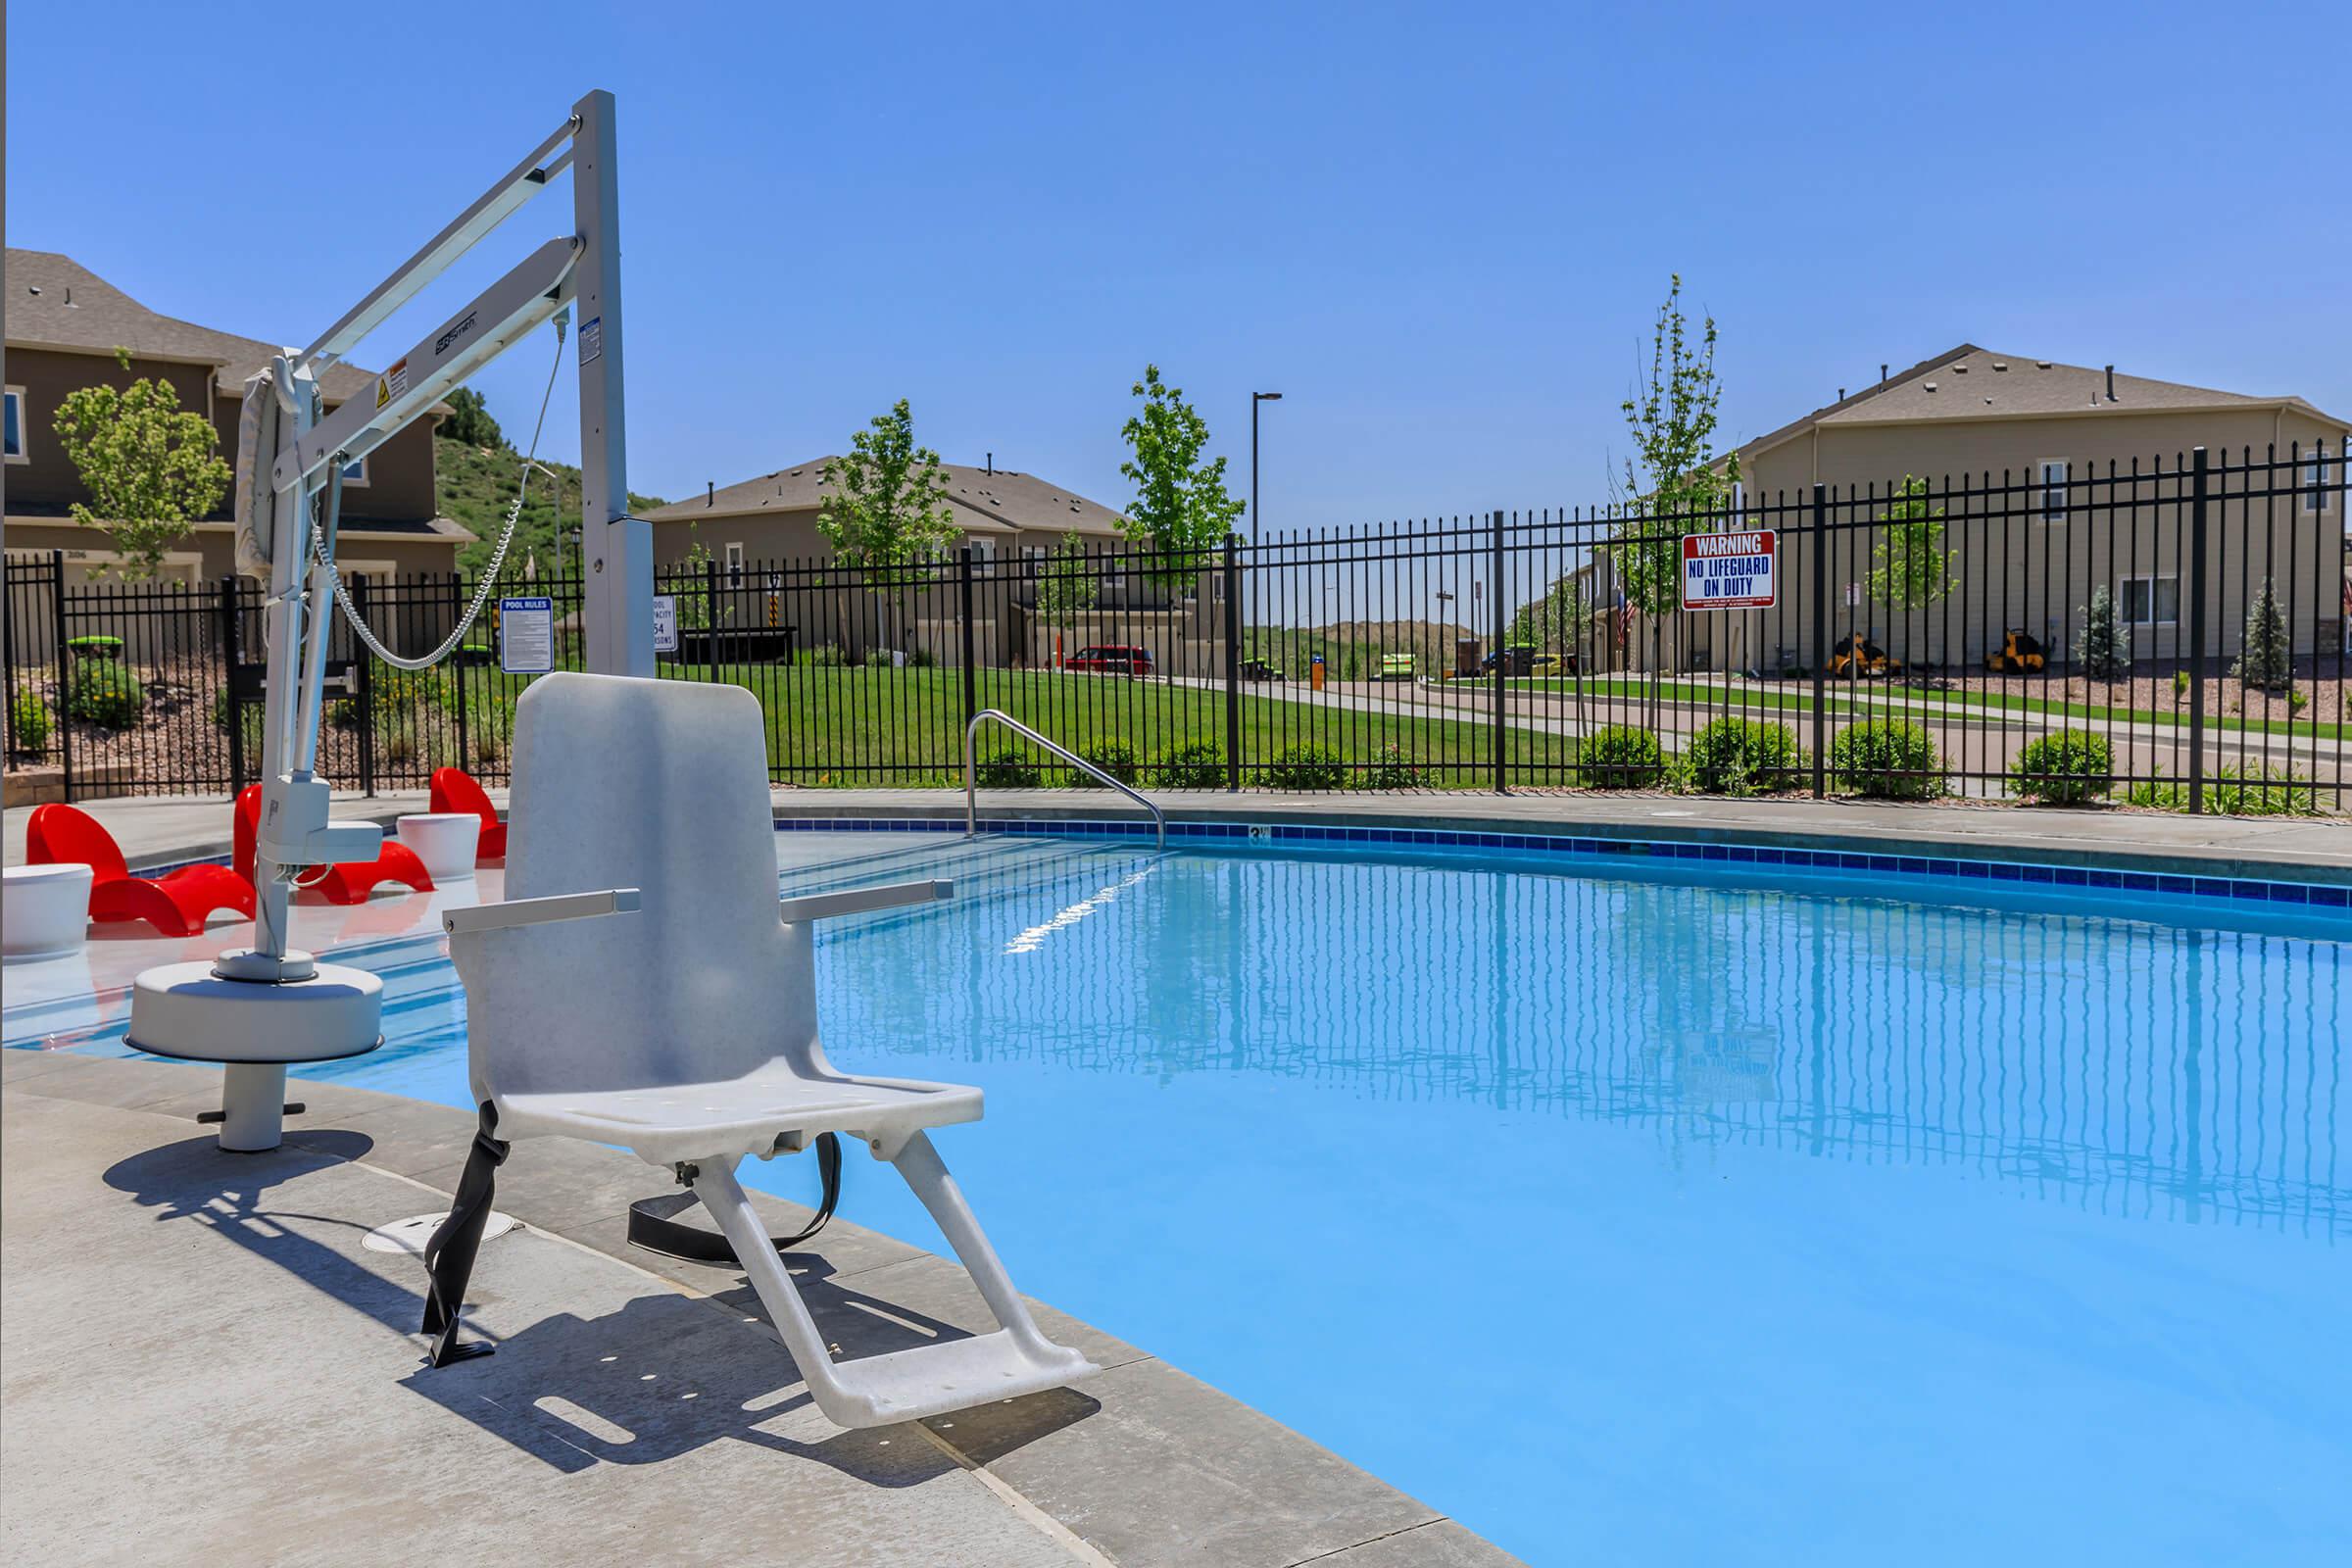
x,y
1625,620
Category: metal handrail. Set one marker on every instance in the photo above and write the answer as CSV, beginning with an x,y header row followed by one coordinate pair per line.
x,y
971,787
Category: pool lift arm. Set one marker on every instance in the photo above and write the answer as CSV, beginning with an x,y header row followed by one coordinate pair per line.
x,y
261,1007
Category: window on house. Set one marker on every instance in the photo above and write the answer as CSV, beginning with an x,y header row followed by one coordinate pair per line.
x,y
355,473
2053,490
16,424
984,556
1034,558
2152,601
734,557
2315,480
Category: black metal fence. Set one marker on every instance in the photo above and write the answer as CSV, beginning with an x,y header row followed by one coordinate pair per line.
x,y
2168,634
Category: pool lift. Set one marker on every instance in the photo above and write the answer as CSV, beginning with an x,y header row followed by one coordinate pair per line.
x,y
613,1031
263,1007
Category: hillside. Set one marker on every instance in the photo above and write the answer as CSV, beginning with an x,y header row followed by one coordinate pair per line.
x,y
476,486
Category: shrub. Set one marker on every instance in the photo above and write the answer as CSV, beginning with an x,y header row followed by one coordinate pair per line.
x,y
922,659
1193,765
2104,647
1307,767
824,657
878,658
2267,661
1390,769
1115,758
1620,756
96,645
1734,755
2064,768
1891,758
104,692
2179,685
1009,769
2275,793
27,720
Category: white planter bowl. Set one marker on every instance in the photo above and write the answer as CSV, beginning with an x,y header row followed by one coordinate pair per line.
x,y
44,910
445,841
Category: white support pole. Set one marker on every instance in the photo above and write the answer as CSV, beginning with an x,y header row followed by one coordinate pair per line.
x,y
284,711
618,550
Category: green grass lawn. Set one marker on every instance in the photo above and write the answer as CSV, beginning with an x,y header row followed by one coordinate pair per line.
x,y
847,727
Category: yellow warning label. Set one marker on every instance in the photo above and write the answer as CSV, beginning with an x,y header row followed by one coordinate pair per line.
x,y
383,392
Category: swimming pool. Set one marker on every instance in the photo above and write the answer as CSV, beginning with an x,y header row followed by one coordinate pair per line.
x,y
1666,1212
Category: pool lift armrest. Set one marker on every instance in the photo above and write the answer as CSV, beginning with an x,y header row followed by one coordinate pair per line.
x,y
860,900
538,912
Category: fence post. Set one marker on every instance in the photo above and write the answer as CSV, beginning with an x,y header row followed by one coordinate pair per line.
x,y
1501,656
710,617
2196,632
231,705
1233,665
367,692
456,609
964,588
65,688
1820,548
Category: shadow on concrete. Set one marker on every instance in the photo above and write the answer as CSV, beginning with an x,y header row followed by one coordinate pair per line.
x,y
656,1379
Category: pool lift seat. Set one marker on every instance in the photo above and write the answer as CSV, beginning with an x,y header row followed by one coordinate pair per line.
x,y
643,986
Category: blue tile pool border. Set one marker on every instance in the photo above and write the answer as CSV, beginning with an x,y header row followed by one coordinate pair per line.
x,y
2247,890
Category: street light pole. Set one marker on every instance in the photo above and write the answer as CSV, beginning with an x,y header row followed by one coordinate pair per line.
x,y
1255,397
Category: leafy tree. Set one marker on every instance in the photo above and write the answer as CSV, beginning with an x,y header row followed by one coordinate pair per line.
x,y
1672,477
1180,508
1067,590
2267,660
1909,566
470,420
149,468
888,503
1554,621
2104,648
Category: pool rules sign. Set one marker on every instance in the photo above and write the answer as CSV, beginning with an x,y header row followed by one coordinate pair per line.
x,y
1728,570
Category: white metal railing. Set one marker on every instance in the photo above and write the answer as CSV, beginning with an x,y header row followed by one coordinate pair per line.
x,y
972,786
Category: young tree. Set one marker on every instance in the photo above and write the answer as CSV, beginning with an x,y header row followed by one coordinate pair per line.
x,y
2104,648
149,468
1672,480
2267,660
1909,566
469,420
887,506
1180,508
1066,588
1553,622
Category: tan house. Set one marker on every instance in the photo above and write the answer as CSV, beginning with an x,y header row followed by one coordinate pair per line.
x,y
2026,446
768,559
64,324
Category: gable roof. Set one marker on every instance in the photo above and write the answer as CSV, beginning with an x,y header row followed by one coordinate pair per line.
x,y
54,301
1969,383
984,501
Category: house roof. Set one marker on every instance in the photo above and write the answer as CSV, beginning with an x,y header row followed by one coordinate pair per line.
x,y
54,301
1969,383
984,501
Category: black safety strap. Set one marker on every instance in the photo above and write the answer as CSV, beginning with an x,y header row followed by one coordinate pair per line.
x,y
651,1227
449,1255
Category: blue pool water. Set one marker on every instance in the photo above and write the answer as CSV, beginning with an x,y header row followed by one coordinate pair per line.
x,y
1662,1216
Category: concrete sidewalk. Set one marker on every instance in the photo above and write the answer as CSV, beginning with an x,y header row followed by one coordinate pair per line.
x,y
201,1362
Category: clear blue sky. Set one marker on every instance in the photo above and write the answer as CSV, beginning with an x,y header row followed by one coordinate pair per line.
x,y
1441,230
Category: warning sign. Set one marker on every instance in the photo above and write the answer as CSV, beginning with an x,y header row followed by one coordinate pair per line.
x,y
665,623
392,384
1728,570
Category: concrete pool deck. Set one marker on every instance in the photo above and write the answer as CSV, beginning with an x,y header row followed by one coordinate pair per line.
x,y
157,830
201,1362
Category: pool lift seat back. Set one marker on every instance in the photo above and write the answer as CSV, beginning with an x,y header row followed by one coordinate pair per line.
x,y
643,986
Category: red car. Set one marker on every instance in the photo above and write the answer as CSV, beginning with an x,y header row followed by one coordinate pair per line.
x,y
1112,659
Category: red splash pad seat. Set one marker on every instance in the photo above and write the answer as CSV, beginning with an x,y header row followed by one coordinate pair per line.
x,y
175,903
455,790
348,883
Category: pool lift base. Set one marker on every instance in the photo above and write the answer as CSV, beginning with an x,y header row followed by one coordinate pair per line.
x,y
256,1029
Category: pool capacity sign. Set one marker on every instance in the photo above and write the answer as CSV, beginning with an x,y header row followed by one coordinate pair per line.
x,y
1727,570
